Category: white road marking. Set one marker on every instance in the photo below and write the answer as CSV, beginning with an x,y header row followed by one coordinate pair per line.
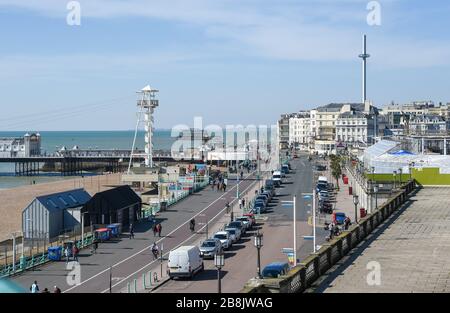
x,y
179,245
146,248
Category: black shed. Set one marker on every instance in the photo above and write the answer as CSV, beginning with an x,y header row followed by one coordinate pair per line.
x,y
117,205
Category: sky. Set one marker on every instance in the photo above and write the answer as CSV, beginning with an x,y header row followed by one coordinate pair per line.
x,y
227,61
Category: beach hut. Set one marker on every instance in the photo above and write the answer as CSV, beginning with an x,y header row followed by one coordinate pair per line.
x,y
48,216
118,205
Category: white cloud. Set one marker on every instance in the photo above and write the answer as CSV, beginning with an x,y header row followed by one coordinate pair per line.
x,y
311,30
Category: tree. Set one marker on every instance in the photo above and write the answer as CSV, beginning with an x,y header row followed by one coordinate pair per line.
x,y
336,170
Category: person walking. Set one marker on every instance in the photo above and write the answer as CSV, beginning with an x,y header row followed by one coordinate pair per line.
x,y
34,288
131,231
155,229
75,252
159,229
67,254
243,202
242,175
56,289
192,225
227,206
225,183
94,246
240,204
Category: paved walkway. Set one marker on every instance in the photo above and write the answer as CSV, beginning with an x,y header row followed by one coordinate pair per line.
x,y
131,258
412,249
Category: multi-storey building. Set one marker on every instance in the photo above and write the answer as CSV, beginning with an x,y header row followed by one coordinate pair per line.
x,y
299,130
283,131
26,146
355,128
428,125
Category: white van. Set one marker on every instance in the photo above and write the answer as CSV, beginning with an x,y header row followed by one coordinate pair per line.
x,y
276,177
322,179
185,261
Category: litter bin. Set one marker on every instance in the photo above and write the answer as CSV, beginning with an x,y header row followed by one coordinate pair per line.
x,y
345,179
114,229
362,212
55,253
350,190
103,234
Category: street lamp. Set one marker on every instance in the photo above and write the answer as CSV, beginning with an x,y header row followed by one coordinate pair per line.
x,y
400,172
258,244
373,172
411,165
355,202
375,190
395,178
219,262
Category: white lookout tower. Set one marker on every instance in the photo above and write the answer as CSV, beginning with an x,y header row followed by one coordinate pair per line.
x,y
147,103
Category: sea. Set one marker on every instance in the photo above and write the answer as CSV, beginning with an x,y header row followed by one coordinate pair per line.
x,y
52,141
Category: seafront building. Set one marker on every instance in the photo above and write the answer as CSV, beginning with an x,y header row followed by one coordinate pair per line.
x,y
26,146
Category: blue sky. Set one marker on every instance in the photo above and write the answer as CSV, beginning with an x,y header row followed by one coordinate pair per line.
x,y
229,61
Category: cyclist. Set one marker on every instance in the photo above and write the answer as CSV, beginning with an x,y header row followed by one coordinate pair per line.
x,y
155,251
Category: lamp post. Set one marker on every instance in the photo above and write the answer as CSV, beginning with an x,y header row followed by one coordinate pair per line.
x,y
375,190
355,202
411,165
395,178
258,244
400,173
219,262
373,172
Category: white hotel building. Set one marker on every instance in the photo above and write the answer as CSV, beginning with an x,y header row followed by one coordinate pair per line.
x,y
299,130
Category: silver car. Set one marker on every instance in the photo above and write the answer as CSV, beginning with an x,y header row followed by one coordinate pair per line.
x,y
210,247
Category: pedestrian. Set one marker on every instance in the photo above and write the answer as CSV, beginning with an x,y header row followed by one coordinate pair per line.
x,y
331,229
227,206
45,291
240,204
243,202
346,223
75,252
34,288
225,183
94,246
67,254
159,229
192,225
56,289
155,229
242,174
131,231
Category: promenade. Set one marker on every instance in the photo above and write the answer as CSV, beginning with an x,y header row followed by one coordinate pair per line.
x,y
412,249
128,258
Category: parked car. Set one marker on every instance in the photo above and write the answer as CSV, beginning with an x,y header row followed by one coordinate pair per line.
x,y
251,218
269,186
246,221
285,169
210,247
275,270
224,238
235,234
185,261
259,207
269,195
264,198
237,224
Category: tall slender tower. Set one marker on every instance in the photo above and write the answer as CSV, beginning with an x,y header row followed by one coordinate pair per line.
x,y
147,103
364,56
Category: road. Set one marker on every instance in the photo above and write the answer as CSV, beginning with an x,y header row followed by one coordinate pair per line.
x,y
241,260
128,258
